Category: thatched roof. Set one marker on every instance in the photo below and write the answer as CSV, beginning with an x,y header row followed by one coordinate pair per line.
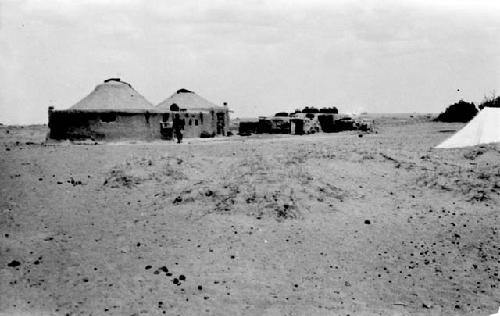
x,y
188,100
113,94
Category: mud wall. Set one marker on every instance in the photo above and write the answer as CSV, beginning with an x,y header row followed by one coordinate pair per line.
x,y
100,125
197,123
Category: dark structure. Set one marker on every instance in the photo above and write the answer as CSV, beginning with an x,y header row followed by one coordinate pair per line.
x,y
308,120
247,128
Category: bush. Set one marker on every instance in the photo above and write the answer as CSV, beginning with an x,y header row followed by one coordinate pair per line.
x,y
492,102
281,114
333,110
459,112
310,110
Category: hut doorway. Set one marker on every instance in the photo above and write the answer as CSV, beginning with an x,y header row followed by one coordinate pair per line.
x,y
166,128
297,127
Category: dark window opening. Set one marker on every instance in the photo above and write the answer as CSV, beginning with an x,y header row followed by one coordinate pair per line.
x,y
108,117
196,122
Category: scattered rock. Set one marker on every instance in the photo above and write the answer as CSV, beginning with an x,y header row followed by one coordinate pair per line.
x,y
14,263
177,200
209,193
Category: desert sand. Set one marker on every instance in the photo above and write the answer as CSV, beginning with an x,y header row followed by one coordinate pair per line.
x,y
324,224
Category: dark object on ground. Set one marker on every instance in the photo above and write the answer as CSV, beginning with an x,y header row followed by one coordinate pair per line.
x,y
206,134
367,222
178,200
14,263
459,112
360,135
248,128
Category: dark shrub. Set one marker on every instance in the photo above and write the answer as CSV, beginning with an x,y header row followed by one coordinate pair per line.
x,y
281,114
333,110
459,112
490,102
310,110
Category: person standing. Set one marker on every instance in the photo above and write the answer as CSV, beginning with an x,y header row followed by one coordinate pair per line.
x,y
178,127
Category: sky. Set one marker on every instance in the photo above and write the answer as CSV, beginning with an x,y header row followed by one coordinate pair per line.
x,y
261,57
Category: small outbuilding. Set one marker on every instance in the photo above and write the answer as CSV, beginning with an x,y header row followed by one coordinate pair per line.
x,y
201,115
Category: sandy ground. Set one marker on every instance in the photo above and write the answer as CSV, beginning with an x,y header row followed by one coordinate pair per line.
x,y
326,224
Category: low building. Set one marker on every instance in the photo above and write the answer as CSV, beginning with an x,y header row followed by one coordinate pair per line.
x,y
274,125
306,121
215,118
115,111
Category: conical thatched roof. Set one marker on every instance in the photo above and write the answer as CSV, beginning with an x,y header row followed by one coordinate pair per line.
x,y
113,94
187,100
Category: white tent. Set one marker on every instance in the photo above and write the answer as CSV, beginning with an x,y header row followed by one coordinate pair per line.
x,y
484,128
